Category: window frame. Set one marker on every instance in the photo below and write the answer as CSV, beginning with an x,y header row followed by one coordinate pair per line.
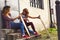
x,y
37,4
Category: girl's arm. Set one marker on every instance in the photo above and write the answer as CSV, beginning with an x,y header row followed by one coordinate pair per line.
x,y
34,17
8,18
15,18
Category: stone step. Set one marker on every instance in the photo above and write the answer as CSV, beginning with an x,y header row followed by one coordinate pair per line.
x,y
4,33
7,30
13,36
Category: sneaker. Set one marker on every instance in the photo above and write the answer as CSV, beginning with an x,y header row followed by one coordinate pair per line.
x,y
35,33
25,36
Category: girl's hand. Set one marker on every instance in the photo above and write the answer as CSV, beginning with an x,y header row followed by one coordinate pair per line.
x,y
19,17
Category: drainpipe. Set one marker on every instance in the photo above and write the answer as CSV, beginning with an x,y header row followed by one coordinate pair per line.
x,y
51,24
58,17
5,2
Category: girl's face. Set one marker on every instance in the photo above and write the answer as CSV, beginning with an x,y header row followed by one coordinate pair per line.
x,y
25,11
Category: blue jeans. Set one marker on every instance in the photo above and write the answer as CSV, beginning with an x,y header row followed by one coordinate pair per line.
x,y
32,32
18,25
21,27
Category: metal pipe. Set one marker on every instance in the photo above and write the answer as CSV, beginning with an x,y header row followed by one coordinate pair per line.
x,y
58,17
50,14
5,2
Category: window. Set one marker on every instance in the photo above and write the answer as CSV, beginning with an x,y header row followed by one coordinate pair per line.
x,y
37,3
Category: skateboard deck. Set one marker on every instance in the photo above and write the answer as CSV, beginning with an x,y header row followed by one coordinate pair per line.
x,y
33,36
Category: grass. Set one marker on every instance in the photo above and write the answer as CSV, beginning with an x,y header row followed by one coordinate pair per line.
x,y
52,32
44,34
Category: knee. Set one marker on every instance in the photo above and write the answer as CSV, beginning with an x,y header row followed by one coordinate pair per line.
x,y
31,23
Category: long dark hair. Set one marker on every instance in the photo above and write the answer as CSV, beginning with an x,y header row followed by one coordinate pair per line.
x,y
4,11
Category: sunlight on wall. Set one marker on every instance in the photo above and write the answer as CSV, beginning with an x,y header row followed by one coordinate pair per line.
x,y
13,4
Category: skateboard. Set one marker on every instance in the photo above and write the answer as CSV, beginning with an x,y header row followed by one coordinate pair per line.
x,y
33,36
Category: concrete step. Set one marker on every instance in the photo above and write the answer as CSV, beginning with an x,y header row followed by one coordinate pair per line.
x,y
13,36
7,30
3,32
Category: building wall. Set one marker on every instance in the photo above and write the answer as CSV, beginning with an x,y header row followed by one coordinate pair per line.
x,y
0,19
1,6
44,13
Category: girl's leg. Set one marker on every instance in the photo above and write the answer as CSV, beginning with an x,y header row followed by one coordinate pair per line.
x,y
30,23
19,26
23,31
14,26
22,28
34,31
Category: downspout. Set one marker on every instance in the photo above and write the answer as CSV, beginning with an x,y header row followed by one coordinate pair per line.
x,y
5,2
51,26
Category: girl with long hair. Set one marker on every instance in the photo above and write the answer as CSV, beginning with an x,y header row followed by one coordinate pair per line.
x,y
8,21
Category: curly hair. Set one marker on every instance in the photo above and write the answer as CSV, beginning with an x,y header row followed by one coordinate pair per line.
x,y
26,11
